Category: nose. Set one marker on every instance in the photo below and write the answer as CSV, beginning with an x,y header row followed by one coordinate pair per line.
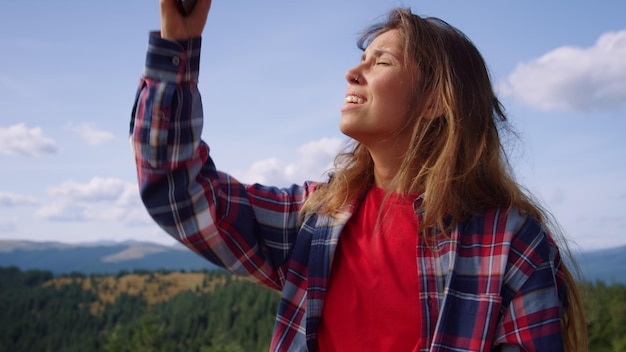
x,y
353,76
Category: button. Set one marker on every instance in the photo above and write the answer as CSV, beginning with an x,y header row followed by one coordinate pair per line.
x,y
176,60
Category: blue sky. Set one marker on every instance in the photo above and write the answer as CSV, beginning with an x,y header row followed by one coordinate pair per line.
x,y
272,84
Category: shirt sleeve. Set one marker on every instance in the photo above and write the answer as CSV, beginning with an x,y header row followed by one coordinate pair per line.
x,y
247,229
534,294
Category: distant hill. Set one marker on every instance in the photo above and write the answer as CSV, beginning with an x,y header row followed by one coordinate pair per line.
x,y
100,258
607,265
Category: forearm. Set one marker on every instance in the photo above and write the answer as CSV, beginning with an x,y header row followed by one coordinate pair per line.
x,y
167,116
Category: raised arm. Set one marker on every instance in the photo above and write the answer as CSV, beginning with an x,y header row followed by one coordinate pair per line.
x,y
247,229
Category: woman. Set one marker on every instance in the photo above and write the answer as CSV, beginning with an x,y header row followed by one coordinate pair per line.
x,y
420,241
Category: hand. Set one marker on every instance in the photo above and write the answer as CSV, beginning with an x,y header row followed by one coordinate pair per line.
x,y
175,26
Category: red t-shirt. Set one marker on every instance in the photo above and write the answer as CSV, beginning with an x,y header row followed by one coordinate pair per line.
x,y
372,300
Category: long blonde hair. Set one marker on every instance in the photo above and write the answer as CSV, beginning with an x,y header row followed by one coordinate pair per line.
x,y
457,159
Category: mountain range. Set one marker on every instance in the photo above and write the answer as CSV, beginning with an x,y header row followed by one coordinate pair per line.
x,y
99,257
607,265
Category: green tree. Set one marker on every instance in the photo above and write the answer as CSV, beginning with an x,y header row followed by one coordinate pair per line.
x,y
221,344
146,336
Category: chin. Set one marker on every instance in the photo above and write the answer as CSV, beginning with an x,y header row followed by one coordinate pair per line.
x,y
349,125
352,134
346,129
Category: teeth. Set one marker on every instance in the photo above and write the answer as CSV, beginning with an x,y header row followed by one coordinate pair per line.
x,y
354,100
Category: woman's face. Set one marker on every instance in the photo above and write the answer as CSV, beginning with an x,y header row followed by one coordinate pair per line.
x,y
379,96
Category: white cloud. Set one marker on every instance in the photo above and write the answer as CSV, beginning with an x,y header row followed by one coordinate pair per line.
x,y
573,78
98,189
128,208
20,140
15,200
63,211
90,134
100,199
314,160
267,171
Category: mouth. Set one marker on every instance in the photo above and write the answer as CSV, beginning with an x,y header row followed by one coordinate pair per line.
x,y
351,99
354,99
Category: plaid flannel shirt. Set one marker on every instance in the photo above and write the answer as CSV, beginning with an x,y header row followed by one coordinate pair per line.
x,y
494,283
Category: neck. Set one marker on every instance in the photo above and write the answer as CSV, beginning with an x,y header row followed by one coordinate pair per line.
x,y
386,166
387,155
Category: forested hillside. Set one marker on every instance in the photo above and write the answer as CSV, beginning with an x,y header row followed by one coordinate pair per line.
x,y
175,311
160,311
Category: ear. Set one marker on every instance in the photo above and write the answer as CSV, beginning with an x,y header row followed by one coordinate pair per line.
x,y
434,107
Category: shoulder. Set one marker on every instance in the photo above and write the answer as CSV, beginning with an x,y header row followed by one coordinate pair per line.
x,y
518,237
509,244
525,243
510,220
506,225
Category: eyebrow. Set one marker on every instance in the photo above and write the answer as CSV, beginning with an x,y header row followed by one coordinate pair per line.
x,y
379,53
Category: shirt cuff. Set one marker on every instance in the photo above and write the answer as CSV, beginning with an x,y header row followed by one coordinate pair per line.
x,y
173,61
